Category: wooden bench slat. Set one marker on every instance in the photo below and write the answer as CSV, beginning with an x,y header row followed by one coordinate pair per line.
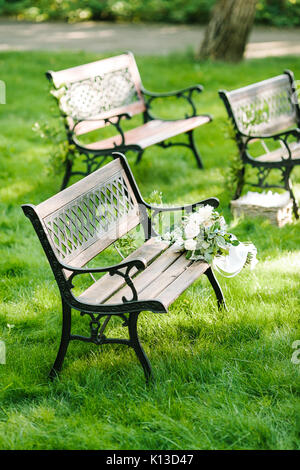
x,y
107,285
165,279
151,133
62,198
180,284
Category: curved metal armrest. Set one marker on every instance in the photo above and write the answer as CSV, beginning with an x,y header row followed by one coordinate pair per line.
x,y
188,208
113,120
185,93
282,136
139,263
191,88
118,118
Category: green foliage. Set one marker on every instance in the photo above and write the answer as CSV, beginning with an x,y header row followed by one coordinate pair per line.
x,y
60,150
279,13
222,380
126,245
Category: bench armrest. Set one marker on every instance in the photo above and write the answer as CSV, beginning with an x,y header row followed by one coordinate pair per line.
x,y
188,208
138,263
113,120
185,93
167,94
282,136
118,117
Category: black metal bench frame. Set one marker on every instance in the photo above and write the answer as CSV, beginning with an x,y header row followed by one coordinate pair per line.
x,y
273,103
52,220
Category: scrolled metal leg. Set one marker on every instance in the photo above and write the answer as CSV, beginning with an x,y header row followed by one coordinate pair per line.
x,y
136,345
64,342
194,149
216,287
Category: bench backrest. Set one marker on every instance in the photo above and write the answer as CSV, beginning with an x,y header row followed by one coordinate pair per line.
x,y
99,90
264,108
84,219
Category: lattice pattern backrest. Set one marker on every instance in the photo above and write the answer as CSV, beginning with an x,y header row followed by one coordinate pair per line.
x,y
101,89
99,216
264,107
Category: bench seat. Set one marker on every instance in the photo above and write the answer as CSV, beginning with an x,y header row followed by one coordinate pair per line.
x,y
167,275
151,133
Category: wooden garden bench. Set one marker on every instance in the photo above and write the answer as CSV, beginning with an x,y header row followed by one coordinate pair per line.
x,y
80,222
267,112
102,93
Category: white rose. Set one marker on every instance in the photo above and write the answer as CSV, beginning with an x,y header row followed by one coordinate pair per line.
x,y
205,212
190,245
196,218
191,230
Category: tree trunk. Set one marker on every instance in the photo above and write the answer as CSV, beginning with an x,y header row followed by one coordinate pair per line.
x,y
227,32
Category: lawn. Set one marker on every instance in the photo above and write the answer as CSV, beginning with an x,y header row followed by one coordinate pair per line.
x,y
222,380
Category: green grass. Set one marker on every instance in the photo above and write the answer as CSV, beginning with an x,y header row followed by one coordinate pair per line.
x,y
222,380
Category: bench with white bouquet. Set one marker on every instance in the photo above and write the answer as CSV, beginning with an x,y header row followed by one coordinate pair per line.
x,y
80,222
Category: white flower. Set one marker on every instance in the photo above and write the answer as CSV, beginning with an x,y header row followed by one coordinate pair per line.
x,y
204,213
167,236
191,230
207,223
190,245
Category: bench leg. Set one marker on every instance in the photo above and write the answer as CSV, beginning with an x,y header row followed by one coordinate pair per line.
x,y
135,343
288,187
139,157
64,342
240,183
216,287
194,149
67,175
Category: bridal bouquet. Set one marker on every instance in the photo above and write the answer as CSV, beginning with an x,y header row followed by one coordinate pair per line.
x,y
203,235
